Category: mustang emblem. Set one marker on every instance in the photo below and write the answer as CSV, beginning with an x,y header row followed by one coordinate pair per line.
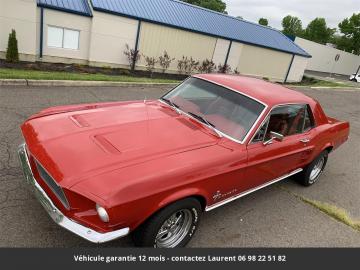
x,y
218,195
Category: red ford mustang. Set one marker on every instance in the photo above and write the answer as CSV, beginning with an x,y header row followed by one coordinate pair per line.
x,y
152,167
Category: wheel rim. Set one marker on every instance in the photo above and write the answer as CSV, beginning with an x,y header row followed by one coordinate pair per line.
x,y
317,170
174,229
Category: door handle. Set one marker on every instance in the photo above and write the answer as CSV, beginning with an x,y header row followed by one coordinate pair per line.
x,y
306,140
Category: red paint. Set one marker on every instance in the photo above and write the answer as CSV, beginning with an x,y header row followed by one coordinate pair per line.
x,y
134,158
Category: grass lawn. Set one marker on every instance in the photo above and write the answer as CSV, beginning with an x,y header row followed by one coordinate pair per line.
x,y
7,73
312,82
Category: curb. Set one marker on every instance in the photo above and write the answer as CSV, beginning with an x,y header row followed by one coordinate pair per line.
x,y
53,83
10,82
324,87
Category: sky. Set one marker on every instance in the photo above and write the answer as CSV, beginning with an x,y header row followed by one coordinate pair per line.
x,y
334,11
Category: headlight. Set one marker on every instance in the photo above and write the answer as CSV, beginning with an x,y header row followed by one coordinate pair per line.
x,y
103,215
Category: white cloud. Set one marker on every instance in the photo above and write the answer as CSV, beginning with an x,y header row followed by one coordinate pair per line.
x,y
334,11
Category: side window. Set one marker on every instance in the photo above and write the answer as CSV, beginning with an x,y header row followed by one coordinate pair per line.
x,y
309,119
286,120
260,135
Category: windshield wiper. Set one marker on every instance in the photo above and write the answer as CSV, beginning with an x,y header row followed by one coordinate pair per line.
x,y
172,104
209,124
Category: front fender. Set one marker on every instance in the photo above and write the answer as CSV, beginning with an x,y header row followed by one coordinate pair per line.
x,y
168,199
184,193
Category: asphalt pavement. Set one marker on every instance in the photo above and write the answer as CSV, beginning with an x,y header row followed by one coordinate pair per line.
x,y
272,217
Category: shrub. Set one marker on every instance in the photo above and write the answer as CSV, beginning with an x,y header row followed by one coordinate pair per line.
x,y
132,55
207,66
165,61
183,64
192,66
12,52
150,64
236,71
224,68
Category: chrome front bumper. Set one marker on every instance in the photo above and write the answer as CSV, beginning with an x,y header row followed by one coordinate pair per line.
x,y
56,214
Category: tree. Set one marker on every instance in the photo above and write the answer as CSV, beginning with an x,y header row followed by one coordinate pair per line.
x,y
150,64
165,61
318,31
132,55
192,66
183,64
207,66
12,52
224,68
342,43
292,26
216,5
263,21
350,27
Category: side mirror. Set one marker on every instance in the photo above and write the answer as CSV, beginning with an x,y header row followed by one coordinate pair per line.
x,y
274,136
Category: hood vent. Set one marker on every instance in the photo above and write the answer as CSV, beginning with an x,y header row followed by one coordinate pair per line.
x,y
79,121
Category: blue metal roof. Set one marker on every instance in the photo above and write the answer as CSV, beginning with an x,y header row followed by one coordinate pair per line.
x,y
185,16
80,7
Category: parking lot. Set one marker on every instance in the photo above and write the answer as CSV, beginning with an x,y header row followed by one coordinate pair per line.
x,y
272,217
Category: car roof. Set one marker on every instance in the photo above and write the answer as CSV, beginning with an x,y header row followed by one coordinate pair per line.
x,y
268,93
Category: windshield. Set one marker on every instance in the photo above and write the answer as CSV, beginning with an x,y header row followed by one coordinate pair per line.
x,y
228,111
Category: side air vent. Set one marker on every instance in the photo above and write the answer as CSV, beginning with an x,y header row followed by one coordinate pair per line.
x,y
52,185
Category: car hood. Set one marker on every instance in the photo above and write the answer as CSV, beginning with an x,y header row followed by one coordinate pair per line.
x,y
78,143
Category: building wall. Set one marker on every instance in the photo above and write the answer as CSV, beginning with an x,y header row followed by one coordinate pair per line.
x,y
257,61
104,36
298,67
220,52
234,55
109,36
70,21
154,39
20,15
323,58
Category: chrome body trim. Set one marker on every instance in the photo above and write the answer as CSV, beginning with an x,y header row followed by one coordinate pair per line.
x,y
216,205
56,215
231,89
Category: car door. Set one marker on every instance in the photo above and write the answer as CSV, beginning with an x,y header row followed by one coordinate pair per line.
x,y
270,159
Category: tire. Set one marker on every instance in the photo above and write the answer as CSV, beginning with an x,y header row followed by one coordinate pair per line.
x,y
177,222
313,171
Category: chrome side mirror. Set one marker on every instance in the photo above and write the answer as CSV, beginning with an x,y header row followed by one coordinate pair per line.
x,y
274,136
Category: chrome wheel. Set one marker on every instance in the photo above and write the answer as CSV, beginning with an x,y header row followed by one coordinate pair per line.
x,y
174,229
317,170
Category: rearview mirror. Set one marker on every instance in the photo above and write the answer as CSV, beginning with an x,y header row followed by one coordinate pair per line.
x,y
274,136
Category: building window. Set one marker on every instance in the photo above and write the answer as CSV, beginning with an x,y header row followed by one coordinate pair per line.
x,y
63,38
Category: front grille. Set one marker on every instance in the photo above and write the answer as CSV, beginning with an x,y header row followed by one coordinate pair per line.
x,y
52,185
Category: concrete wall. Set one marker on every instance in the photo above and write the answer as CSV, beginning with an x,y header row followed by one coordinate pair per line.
x,y
154,39
70,21
298,67
109,36
20,15
323,58
257,61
